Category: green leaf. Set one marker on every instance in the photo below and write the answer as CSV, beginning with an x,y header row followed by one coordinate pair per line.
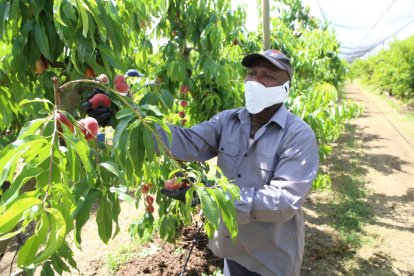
x,y
58,265
167,98
228,211
104,220
15,150
14,213
231,188
82,212
209,206
57,235
121,193
66,203
153,108
11,234
42,40
14,13
66,253
82,149
209,228
47,270
31,246
114,169
149,143
27,172
120,128
137,150
84,15
168,227
124,113
37,7
31,127
56,12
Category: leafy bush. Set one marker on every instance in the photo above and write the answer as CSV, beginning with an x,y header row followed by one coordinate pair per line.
x,y
390,70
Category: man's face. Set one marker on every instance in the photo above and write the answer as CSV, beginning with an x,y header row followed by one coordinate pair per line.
x,y
266,73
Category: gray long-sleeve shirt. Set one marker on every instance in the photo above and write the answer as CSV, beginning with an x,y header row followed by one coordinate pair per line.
x,y
274,171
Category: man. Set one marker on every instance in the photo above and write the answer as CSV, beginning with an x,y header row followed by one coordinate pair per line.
x,y
272,156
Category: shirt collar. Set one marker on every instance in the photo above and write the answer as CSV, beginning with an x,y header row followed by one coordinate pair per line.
x,y
279,117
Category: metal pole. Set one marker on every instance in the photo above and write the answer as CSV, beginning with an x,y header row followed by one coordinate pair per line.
x,y
266,24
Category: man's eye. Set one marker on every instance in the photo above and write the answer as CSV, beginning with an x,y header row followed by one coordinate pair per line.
x,y
250,74
270,77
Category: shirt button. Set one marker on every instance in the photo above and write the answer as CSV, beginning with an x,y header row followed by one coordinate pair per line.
x,y
221,148
245,155
239,175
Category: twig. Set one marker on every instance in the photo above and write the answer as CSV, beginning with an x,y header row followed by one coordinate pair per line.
x,y
191,249
20,243
56,90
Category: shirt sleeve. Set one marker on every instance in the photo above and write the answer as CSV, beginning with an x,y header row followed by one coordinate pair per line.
x,y
292,180
198,143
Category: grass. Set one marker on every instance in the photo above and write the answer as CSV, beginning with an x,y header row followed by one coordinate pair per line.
x,y
403,114
335,234
128,252
348,206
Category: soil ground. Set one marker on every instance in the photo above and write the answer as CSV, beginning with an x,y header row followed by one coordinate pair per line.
x,y
364,225
376,157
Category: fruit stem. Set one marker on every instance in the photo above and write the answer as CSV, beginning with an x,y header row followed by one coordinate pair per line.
x,y
56,89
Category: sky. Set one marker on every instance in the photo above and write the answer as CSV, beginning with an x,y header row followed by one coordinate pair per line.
x,y
362,26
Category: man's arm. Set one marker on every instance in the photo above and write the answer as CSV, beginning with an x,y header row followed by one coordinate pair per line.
x,y
280,200
198,143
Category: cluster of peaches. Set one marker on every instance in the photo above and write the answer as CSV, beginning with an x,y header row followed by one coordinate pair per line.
x,y
89,126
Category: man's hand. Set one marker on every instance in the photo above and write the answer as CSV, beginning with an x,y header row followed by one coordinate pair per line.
x,y
98,105
177,189
178,194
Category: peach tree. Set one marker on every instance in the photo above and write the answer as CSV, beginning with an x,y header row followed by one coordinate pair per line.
x,y
189,52
74,42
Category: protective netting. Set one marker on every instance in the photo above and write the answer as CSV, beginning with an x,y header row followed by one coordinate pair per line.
x,y
364,26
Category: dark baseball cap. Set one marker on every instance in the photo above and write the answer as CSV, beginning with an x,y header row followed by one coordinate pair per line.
x,y
279,59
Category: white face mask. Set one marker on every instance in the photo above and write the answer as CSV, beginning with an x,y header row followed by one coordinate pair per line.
x,y
258,97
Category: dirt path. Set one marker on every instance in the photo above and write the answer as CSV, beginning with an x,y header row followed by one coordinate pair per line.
x,y
388,154
364,225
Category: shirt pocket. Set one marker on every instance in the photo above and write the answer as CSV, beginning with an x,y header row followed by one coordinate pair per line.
x,y
228,154
265,166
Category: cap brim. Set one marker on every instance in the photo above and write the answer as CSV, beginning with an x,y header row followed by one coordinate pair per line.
x,y
249,60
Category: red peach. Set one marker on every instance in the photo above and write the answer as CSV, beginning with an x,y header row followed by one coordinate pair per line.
x,y
150,209
89,73
184,89
39,66
149,199
183,103
172,185
100,99
62,119
145,188
183,121
120,84
89,127
181,114
186,185
104,79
